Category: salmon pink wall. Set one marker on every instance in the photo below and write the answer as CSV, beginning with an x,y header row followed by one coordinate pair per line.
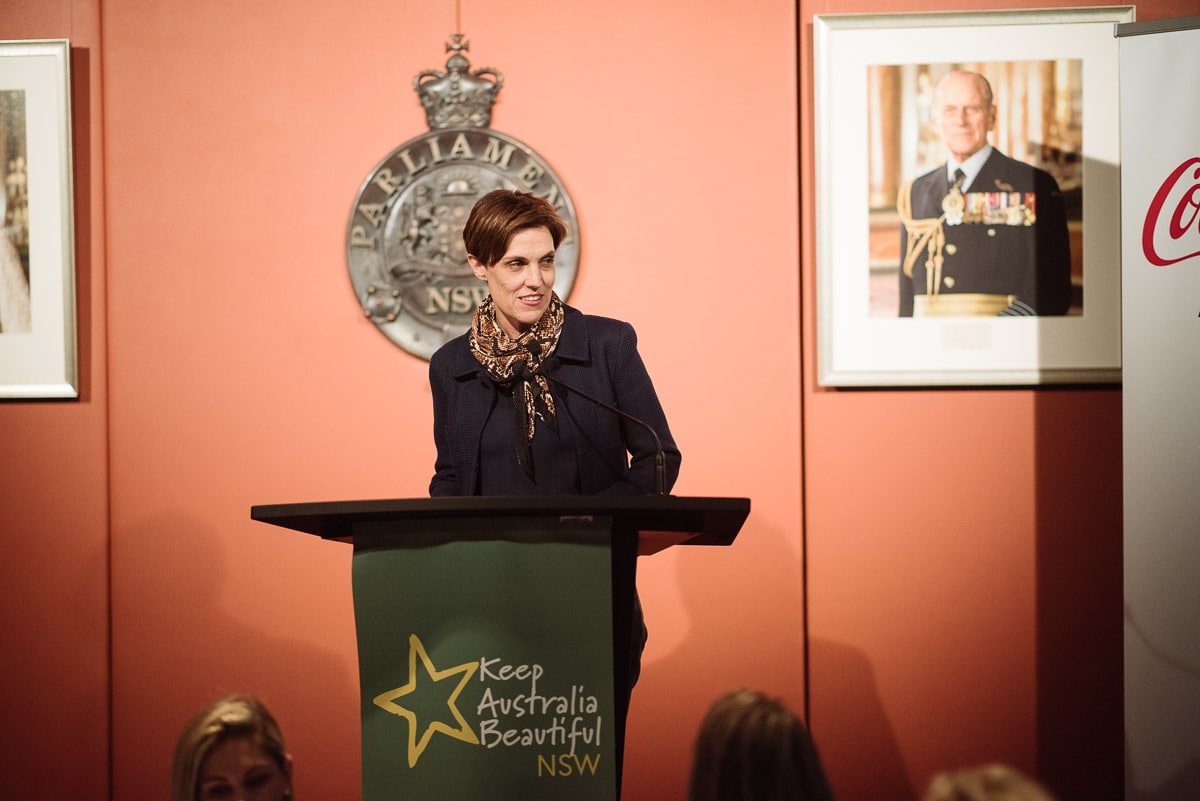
x,y
243,373
54,616
962,598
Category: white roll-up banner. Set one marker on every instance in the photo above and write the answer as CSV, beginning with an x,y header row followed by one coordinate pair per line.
x,y
1160,332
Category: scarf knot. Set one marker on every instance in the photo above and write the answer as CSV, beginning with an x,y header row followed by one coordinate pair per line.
x,y
516,364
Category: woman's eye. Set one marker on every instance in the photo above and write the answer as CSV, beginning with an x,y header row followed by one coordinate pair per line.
x,y
257,780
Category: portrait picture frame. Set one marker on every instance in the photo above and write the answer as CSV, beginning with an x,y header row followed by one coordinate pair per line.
x,y
1055,80
38,349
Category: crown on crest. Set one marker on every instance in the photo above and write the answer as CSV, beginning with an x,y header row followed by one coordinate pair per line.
x,y
458,98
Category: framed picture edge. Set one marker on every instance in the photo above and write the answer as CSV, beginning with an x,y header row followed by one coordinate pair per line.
x,y
832,370
51,345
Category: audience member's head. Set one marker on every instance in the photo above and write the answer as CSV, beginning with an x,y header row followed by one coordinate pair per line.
x,y
753,748
985,783
231,749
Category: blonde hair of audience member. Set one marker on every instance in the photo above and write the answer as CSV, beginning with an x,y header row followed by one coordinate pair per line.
x,y
753,748
232,748
985,783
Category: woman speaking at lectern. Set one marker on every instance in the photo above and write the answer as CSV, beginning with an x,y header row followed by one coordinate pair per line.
x,y
538,398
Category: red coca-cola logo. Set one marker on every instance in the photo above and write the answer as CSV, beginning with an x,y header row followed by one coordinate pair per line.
x,y
1171,232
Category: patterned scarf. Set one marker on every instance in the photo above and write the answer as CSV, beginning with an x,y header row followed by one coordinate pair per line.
x,y
517,363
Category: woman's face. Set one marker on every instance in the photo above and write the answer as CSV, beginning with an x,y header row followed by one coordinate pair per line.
x,y
240,770
520,283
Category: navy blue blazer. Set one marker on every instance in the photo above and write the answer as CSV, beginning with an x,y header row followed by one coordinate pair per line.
x,y
596,355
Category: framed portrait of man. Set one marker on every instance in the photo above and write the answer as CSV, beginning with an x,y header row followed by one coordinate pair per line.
x,y
968,207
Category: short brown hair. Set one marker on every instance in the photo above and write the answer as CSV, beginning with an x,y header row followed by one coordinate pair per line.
x,y
501,213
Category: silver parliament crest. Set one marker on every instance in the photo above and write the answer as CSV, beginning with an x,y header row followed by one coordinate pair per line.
x,y
404,243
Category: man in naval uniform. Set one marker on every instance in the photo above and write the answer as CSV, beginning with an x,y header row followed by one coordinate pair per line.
x,y
984,234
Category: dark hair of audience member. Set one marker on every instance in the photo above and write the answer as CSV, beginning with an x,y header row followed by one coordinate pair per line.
x,y
754,748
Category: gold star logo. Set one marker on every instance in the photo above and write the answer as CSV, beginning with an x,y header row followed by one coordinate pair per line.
x,y
387,701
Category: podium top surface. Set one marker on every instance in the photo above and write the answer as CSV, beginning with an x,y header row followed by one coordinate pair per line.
x,y
690,521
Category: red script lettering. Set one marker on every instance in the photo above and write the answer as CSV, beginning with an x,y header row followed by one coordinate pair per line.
x,y
1183,219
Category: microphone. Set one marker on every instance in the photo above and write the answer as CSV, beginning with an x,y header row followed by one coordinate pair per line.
x,y
660,470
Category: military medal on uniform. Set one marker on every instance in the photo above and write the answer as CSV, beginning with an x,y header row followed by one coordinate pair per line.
x,y
953,203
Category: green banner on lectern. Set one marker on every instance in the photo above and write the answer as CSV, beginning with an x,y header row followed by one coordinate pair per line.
x,y
485,662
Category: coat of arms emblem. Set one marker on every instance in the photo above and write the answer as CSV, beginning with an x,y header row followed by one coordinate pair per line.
x,y
404,244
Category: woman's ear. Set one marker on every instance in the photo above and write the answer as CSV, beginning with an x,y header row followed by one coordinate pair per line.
x,y
477,267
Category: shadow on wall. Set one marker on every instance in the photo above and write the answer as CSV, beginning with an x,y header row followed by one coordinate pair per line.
x,y
1159,681
81,177
862,728
1185,783
177,646
1080,588
54,667
722,599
